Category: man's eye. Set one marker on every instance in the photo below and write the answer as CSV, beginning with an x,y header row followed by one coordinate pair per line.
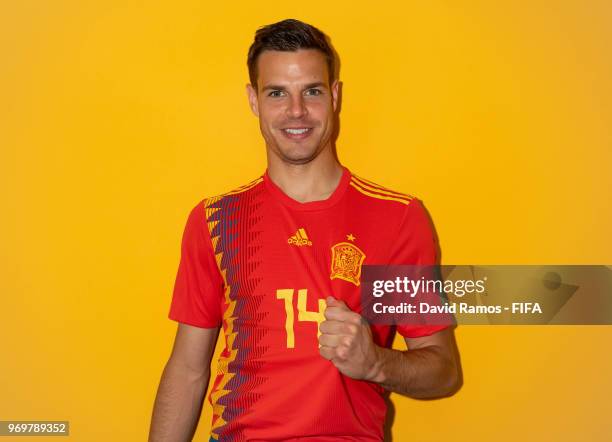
x,y
275,94
313,92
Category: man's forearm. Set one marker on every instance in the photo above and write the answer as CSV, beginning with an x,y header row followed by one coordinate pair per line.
x,y
420,373
178,404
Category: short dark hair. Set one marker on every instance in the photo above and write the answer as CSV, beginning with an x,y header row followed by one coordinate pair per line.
x,y
289,36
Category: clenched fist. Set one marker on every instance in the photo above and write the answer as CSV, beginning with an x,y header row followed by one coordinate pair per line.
x,y
346,340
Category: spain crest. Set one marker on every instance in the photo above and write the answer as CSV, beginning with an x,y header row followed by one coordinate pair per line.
x,y
346,262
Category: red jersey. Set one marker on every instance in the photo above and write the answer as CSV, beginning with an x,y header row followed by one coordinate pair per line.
x,y
261,264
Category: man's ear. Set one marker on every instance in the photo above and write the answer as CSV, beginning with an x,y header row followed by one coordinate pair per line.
x,y
252,96
334,91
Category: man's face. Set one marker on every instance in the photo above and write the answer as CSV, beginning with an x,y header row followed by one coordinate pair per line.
x,y
295,103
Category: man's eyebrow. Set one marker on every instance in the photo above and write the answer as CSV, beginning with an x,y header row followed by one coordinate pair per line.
x,y
282,88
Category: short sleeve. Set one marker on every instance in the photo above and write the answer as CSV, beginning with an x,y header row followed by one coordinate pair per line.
x,y
415,241
198,288
415,244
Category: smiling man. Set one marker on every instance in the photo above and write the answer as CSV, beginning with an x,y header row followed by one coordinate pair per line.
x,y
276,263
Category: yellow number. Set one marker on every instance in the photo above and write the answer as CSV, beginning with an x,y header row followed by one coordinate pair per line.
x,y
303,314
287,295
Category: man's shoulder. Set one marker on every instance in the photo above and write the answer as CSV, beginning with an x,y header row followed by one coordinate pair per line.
x,y
234,193
209,205
372,192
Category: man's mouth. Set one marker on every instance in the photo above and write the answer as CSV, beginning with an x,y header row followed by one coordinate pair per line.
x,y
297,133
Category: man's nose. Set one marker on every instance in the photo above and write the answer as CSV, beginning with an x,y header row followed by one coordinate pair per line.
x,y
297,107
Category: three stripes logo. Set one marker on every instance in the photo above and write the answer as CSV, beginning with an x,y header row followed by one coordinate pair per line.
x,y
300,238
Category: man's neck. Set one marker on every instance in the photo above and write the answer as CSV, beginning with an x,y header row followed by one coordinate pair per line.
x,y
313,181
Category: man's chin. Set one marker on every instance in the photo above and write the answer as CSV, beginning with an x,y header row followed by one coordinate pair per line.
x,y
293,156
298,161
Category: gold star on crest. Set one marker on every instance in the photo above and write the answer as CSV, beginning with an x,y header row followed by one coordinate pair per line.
x,y
350,237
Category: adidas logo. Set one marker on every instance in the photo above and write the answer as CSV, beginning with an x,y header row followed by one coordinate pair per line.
x,y
300,238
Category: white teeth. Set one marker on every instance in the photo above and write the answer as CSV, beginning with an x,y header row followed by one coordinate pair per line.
x,y
296,131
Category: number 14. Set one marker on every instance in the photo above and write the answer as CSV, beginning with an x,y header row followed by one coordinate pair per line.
x,y
303,314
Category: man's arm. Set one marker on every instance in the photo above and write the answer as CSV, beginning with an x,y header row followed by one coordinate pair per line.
x,y
430,367
183,385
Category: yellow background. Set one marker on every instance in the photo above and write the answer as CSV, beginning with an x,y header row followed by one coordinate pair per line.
x,y
117,117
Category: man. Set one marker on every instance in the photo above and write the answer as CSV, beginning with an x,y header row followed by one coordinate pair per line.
x,y
277,261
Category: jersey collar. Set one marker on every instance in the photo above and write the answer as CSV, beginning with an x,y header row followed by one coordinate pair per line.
x,y
334,198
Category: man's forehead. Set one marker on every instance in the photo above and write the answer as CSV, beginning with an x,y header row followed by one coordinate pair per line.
x,y
303,64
